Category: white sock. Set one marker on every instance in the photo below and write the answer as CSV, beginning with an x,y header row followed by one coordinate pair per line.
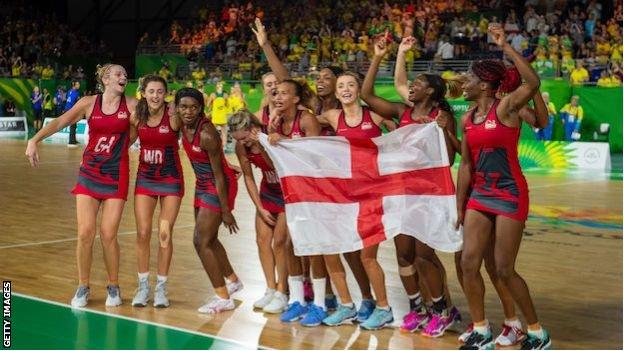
x,y
161,279
295,283
143,276
348,305
318,285
483,330
515,323
537,333
387,308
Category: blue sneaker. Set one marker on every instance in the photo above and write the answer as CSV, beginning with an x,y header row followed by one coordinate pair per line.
x,y
366,309
342,315
314,317
379,319
294,312
331,302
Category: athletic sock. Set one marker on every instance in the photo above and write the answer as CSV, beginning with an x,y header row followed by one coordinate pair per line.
x,y
318,285
161,279
143,275
415,302
439,305
295,284
515,323
482,329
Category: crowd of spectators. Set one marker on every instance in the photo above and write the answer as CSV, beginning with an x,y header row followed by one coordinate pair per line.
x,y
32,44
557,36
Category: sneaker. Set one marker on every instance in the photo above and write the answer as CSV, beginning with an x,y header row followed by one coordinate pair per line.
x,y
81,297
72,146
314,317
415,320
234,287
114,296
533,342
366,309
331,302
378,319
439,323
343,314
308,292
478,341
278,303
455,312
466,334
294,312
265,299
510,336
141,298
160,295
217,304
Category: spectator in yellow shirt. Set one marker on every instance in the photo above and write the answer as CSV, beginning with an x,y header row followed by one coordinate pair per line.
x,y
608,80
571,117
546,133
579,75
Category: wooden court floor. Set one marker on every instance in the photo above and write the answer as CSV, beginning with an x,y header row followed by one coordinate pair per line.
x,y
571,258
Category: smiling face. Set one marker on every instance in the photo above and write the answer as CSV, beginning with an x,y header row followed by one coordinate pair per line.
x,y
325,83
115,79
188,109
419,89
347,89
154,94
286,97
471,87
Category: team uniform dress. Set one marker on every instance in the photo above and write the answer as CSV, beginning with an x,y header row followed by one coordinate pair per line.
x,y
295,131
367,128
271,195
219,110
265,119
406,117
104,169
205,184
160,170
498,185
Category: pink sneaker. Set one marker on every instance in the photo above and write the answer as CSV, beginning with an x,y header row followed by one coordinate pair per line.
x,y
415,320
439,323
308,292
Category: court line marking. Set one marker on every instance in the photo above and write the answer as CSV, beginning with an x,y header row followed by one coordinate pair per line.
x,y
12,246
137,320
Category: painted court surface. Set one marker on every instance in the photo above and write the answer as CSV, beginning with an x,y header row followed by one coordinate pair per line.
x,y
571,258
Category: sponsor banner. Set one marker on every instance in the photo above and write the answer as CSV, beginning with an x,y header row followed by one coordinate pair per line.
x,y
564,155
62,136
13,127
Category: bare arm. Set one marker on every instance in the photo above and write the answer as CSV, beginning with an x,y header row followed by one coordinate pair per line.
x,y
541,111
310,124
277,67
134,128
329,118
250,181
464,178
446,121
73,115
400,73
381,106
209,141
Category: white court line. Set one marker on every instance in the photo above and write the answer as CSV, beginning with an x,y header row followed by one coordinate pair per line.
x,y
136,320
76,238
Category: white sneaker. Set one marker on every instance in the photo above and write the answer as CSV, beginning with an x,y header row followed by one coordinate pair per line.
x,y
160,295
81,297
141,298
510,336
234,287
217,304
278,304
72,146
114,297
264,300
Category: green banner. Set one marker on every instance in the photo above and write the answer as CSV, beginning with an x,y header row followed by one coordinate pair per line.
x,y
151,64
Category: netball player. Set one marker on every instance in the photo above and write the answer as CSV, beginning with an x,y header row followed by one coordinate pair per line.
x,y
103,177
215,192
500,208
159,179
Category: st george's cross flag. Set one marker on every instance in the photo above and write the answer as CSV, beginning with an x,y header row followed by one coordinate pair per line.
x,y
345,194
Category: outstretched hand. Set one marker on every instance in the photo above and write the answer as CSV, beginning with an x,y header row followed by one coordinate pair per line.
x,y
259,31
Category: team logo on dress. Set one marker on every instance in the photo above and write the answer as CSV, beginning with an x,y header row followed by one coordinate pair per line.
x,y
163,129
122,115
296,135
490,124
367,125
196,148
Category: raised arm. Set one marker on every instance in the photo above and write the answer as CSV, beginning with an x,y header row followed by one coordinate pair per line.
x,y
381,106
278,68
538,116
521,96
400,72
209,141
73,115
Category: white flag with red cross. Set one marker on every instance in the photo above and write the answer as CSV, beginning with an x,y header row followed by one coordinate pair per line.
x,y
345,194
